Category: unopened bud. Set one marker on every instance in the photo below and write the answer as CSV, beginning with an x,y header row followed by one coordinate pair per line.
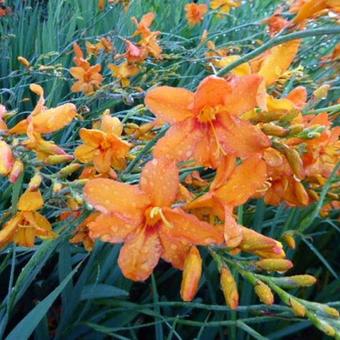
x,y
264,293
274,130
295,281
16,171
23,61
69,169
35,182
191,274
301,193
289,239
298,308
330,311
6,158
57,159
321,92
57,187
295,129
295,162
229,288
274,265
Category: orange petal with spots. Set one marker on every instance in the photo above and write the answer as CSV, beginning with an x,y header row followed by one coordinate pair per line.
x,y
54,119
31,201
179,142
226,167
92,137
140,255
174,250
111,228
169,103
247,93
85,153
243,182
160,181
298,97
188,227
278,61
239,137
211,92
108,196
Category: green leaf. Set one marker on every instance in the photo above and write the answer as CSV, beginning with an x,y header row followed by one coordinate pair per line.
x,y
100,291
27,325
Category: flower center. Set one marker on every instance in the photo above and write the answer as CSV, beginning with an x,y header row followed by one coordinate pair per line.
x,y
207,114
154,215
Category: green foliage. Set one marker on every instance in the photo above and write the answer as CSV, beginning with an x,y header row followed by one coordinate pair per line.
x,y
58,290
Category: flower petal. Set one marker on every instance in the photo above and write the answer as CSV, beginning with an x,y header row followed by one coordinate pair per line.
x,y
179,142
298,96
174,250
54,119
125,200
211,92
240,137
247,93
30,201
140,255
160,181
278,61
85,153
189,228
111,228
171,104
243,182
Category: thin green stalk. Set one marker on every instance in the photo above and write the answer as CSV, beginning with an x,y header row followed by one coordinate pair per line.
x,y
277,41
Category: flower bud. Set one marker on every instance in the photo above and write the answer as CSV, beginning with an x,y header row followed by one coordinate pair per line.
x,y
330,311
274,265
258,244
264,293
321,92
6,158
297,307
35,182
191,274
295,162
16,171
301,193
57,159
274,130
289,239
57,186
294,281
229,288
69,169
23,61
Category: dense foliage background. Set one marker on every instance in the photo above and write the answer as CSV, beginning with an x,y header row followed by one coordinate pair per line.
x,y
57,289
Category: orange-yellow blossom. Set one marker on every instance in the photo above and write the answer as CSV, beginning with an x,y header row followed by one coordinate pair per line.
x,y
27,224
103,146
195,13
143,218
205,125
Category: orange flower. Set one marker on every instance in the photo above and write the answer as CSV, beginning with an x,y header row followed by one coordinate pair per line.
x,y
276,23
273,63
134,54
205,124
88,77
232,186
27,224
148,40
103,45
124,71
103,146
143,218
195,13
312,8
224,6
44,120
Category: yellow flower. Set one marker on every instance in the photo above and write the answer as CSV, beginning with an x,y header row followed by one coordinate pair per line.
x,y
27,224
224,6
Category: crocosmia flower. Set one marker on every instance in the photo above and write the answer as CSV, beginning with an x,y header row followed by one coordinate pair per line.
x,y
144,218
205,125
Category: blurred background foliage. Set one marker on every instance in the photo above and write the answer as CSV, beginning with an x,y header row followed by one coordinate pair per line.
x,y
58,290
